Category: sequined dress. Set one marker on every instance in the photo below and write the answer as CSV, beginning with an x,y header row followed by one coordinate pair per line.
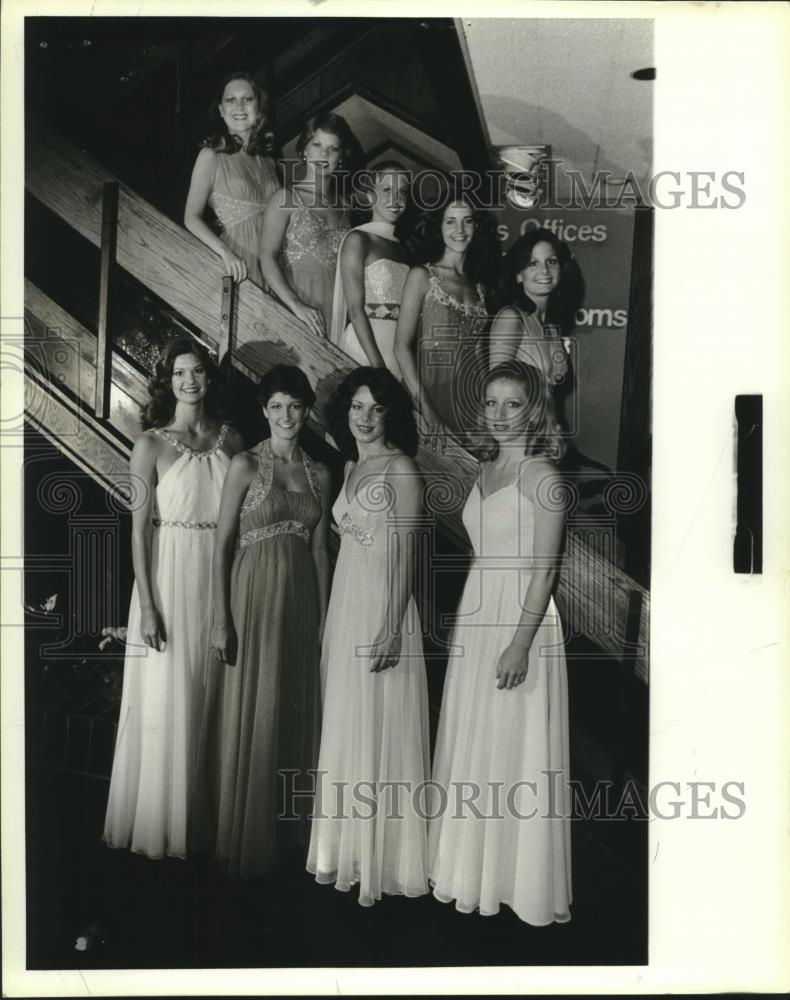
x,y
153,772
384,281
243,185
308,257
262,714
450,354
375,725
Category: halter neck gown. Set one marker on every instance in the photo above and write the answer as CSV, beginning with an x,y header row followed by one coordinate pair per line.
x,y
153,773
262,714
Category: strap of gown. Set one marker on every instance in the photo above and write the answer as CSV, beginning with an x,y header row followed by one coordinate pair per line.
x,y
262,484
312,478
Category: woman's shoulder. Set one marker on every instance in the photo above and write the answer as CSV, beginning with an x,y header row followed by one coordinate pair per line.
x,y
149,441
247,459
355,244
282,197
400,464
207,156
419,275
510,313
538,471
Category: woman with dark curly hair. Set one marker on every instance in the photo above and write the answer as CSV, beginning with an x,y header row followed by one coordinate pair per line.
x,y
234,174
306,221
439,338
178,466
375,727
262,710
533,329
503,728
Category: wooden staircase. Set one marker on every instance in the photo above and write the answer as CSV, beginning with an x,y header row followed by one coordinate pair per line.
x,y
596,598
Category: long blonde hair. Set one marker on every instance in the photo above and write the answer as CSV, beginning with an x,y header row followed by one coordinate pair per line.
x,y
544,433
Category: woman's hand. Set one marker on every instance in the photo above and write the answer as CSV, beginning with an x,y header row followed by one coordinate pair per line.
x,y
511,669
385,653
312,318
225,643
234,265
152,630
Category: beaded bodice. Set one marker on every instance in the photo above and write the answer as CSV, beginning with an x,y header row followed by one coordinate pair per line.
x,y
446,321
268,511
384,281
242,187
363,517
309,233
189,492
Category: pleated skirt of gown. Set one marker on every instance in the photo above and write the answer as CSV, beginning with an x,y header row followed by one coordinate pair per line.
x,y
262,714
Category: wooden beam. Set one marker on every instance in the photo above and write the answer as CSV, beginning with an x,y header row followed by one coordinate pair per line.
x,y
64,353
109,228
78,436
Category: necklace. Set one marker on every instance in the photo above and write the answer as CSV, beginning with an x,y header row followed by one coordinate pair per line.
x,y
378,454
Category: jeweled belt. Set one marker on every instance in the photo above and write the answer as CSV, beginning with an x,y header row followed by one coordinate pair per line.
x,y
272,530
382,310
200,525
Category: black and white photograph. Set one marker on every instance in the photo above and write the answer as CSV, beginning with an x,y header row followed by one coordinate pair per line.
x,y
359,421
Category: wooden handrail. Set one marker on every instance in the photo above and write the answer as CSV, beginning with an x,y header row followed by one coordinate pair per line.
x,y
188,277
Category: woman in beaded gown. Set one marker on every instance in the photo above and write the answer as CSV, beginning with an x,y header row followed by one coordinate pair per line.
x,y
374,740
370,276
501,832
263,705
439,341
178,467
235,175
306,221
535,327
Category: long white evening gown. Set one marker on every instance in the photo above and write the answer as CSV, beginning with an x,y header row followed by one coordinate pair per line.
x,y
153,769
510,744
375,725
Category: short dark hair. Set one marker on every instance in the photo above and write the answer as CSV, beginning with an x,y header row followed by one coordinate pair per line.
x,y
161,406
401,425
287,379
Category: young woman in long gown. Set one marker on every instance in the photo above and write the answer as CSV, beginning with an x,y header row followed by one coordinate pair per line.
x,y
375,726
371,273
178,467
534,328
263,706
502,744
235,175
438,340
306,221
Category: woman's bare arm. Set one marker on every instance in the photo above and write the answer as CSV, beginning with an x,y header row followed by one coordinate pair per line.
x,y
352,274
142,466
200,187
237,482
